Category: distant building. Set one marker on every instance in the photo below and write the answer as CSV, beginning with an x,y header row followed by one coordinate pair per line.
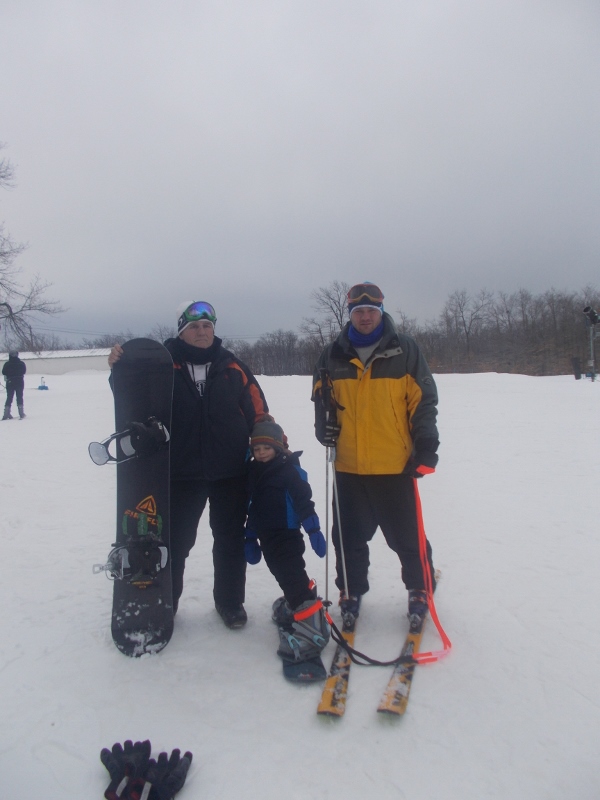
x,y
58,362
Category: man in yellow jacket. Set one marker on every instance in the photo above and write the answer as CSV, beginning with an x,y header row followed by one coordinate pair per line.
x,y
376,403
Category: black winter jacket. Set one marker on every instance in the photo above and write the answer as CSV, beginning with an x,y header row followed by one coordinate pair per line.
x,y
210,435
280,495
14,370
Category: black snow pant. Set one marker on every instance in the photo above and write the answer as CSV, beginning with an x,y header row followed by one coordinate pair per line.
x,y
227,500
283,551
366,503
14,387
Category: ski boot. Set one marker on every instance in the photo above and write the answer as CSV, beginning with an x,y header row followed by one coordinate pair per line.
x,y
418,606
302,637
350,608
7,414
21,412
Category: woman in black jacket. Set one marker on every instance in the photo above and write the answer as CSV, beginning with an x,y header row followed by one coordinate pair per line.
x,y
216,402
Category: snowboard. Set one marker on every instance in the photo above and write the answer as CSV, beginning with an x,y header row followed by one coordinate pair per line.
x,y
142,612
307,671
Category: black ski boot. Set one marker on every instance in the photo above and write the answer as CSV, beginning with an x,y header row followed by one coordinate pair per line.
x,y
418,605
7,414
21,412
350,608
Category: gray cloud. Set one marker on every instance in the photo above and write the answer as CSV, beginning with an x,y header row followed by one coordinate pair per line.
x,y
247,153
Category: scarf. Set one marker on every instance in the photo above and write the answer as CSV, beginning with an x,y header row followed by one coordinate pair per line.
x,y
358,339
196,355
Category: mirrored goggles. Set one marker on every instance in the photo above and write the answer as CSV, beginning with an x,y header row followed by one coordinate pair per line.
x,y
200,310
365,291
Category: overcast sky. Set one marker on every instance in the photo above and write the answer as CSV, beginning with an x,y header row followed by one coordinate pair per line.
x,y
247,152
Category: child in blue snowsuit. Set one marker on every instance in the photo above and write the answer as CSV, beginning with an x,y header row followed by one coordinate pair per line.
x,y
279,502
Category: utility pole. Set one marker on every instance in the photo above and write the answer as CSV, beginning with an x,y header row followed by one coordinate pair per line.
x,y
592,319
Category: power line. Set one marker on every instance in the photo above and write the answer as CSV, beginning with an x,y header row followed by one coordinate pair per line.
x,y
235,337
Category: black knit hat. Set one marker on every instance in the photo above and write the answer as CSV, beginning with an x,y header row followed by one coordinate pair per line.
x,y
269,433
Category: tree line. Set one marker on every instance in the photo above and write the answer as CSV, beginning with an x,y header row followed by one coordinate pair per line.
x,y
520,333
483,332
498,332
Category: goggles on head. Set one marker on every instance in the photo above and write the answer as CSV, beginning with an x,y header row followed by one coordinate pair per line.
x,y
365,292
200,310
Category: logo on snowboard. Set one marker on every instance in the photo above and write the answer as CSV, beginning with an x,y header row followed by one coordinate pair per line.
x,y
146,513
146,553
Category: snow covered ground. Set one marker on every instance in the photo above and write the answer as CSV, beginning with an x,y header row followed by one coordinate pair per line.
x,y
511,713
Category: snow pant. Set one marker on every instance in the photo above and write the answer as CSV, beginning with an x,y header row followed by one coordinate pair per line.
x,y
227,500
14,387
366,503
283,551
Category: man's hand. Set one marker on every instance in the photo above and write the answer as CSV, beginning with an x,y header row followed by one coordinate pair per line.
x,y
114,355
332,432
422,463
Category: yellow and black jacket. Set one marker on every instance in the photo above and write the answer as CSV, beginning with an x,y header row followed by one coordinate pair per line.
x,y
386,408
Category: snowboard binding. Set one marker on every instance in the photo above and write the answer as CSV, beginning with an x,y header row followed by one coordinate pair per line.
x,y
138,563
138,440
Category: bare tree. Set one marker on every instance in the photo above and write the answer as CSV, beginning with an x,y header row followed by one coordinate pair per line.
x,y
464,315
162,332
331,304
18,304
39,343
406,324
104,340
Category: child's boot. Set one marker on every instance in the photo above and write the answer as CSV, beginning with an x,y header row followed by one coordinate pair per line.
x,y
306,634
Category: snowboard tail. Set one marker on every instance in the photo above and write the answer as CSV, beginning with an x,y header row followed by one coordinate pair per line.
x,y
307,671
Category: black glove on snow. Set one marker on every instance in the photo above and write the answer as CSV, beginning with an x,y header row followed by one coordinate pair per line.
x,y
164,777
124,764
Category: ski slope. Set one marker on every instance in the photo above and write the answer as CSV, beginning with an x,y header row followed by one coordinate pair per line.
x,y
511,713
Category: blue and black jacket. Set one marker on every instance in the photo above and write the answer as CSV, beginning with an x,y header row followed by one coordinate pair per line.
x,y
279,492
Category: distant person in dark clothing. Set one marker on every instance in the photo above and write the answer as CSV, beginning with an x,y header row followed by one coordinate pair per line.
x,y
280,501
216,403
14,373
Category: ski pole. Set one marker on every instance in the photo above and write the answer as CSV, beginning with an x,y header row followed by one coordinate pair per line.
x,y
336,500
327,525
330,406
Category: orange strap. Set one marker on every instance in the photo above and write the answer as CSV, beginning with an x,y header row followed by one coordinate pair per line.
x,y
428,658
308,612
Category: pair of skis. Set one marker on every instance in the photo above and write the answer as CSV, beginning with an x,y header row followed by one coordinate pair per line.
x,y
394,699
